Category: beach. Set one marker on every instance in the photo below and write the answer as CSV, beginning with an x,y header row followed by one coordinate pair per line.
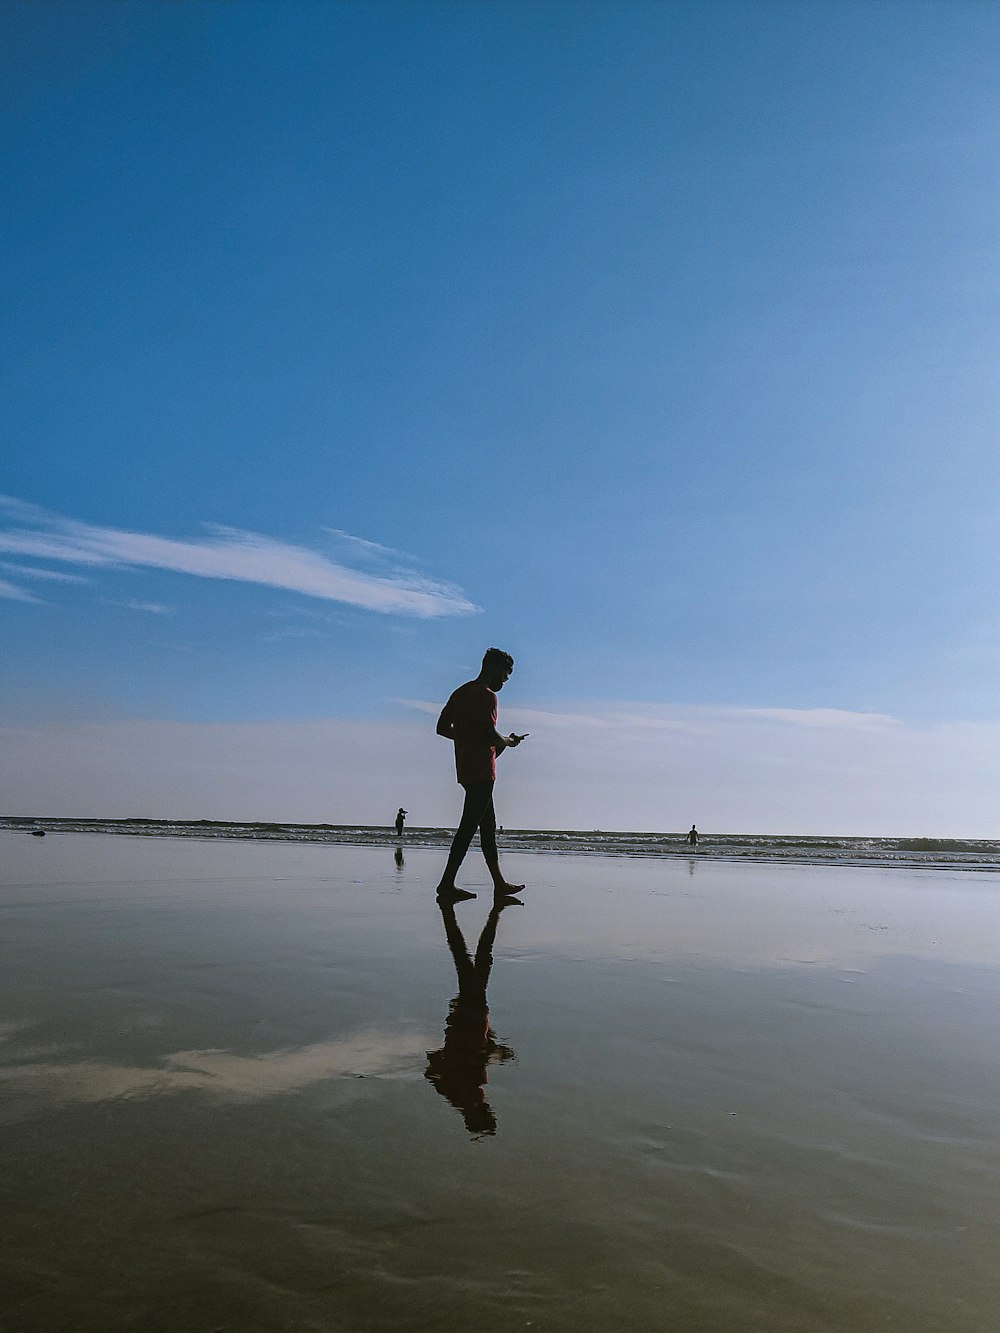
x,y
236,1094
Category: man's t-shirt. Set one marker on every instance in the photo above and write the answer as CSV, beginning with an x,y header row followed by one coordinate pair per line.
x,y
472,711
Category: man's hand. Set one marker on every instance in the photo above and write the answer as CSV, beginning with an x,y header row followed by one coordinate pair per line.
x,y
505,742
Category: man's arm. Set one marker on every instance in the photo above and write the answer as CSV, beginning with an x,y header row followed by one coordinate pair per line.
x,y
445,726
506,742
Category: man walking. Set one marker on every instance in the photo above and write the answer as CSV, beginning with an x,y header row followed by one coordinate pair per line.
x,y
469,718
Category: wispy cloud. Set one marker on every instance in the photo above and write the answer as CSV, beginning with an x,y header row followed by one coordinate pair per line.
x,y
226,553
291,632
362,549
15,594
693,719
153,608
837,719
33,572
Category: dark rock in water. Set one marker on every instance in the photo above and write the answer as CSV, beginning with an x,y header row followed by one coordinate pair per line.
x,y
38,833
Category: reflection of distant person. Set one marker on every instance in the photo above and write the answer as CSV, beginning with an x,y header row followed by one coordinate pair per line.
x,y
692,837
398,857
458,1069
400,820
469,718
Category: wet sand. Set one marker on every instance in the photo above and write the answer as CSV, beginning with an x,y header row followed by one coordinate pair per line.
x,y
717,1097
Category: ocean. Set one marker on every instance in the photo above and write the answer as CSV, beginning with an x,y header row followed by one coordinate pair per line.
x,y
912,852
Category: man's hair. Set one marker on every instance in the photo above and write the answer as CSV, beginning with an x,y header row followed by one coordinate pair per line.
x,y
499,657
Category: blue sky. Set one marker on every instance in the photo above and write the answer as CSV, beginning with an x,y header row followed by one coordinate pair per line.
x,y
654,342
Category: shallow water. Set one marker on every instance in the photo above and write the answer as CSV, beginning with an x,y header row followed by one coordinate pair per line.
x,y
718,1096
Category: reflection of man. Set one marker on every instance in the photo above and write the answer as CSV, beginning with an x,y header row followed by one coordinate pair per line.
x,y
469,718
458,1069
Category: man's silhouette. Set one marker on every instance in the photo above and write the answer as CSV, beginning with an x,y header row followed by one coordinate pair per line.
x,y
469,718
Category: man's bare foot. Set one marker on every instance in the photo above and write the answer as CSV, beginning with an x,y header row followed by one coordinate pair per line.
x,y
450,893
503,889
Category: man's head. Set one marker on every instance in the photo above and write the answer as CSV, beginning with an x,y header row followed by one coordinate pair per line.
x,y
497,666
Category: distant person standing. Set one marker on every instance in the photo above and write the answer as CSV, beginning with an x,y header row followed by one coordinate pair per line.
x,y
469,718
692,837
400,820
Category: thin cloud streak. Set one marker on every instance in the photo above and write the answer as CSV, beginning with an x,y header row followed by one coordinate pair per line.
x,y
694,719
33,572
365,548
231,554
838,719
153,608
15,594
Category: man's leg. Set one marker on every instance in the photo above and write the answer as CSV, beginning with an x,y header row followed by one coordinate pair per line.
x,y
488,842
478,795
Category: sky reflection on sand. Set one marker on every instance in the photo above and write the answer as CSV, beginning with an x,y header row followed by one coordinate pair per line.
x,y
753,1097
